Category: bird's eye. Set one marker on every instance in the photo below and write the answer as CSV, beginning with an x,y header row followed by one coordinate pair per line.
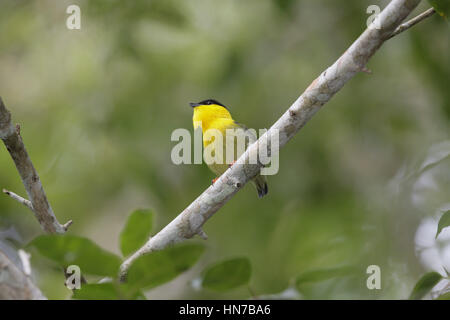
x,y
209,102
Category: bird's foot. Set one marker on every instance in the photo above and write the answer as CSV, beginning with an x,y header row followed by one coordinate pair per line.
x,y
231,164
214,180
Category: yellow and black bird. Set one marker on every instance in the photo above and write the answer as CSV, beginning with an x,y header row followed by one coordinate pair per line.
x,y
211,114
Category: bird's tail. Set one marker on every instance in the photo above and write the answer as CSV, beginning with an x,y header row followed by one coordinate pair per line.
x,y
261,185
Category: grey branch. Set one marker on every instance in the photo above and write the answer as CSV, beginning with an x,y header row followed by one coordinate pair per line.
x,y
15,284
37,202
412,22
189,222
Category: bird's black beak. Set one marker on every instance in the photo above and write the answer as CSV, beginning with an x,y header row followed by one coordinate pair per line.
x,y
193,105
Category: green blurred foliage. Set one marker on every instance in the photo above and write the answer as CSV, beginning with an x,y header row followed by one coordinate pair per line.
x,y
106,291
444,222
227,275
323,274
68,250
442,7
136,231
424,285
445,296
97,107
157,268
96,291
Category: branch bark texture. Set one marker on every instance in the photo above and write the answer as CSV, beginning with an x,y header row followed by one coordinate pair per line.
x,y
37,202
15,284
189,222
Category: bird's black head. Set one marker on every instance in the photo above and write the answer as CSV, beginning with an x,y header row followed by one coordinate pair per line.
x,y
206,102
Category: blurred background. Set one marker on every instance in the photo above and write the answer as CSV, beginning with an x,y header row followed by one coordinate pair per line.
x,y
364,183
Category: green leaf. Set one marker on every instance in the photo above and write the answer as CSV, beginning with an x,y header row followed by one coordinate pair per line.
x,y
444,222
100,291
159,267
442,7
424,285
323,274
445,296
74,250
136,231
106,291
227,275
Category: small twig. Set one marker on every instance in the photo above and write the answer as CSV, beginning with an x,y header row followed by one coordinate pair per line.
x,y
412,22
366,70
38,201
203,235
18,198
67,225
25,259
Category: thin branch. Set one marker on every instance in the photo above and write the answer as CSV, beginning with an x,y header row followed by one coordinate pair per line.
x,y
412,22
38,202
189,222
19,199
15,284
